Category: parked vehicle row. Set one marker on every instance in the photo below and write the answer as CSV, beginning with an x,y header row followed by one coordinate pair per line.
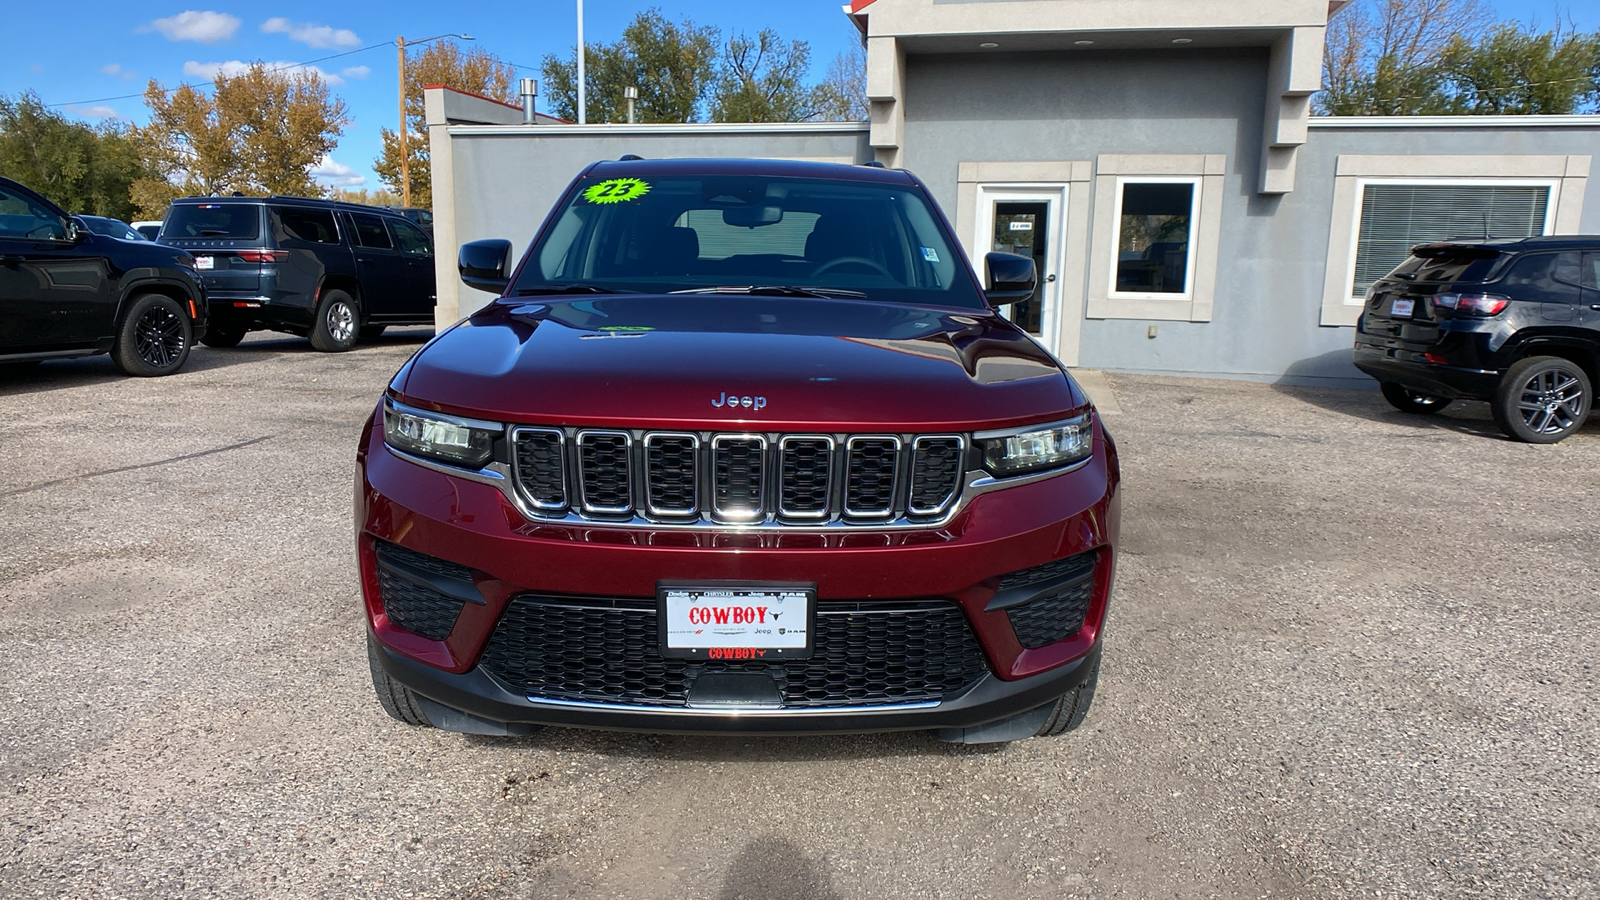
x,y
1512,322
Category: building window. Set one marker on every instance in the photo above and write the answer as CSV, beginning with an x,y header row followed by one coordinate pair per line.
x,y
1154,223
1395,217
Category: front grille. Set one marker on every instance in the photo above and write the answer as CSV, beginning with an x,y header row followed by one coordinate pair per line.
x,y
413,605
738,479
608,651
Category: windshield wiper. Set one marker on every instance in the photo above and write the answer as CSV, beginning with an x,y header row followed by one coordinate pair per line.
x,y
774,290
568,289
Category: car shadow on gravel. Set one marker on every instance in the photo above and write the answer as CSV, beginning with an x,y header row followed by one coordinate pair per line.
x,y
274,342
1461,417
734,748
85,371
774,868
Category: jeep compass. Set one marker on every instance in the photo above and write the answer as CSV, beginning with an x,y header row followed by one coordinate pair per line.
x,y
741,446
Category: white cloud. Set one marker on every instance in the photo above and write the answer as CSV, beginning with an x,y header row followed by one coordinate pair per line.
x,y
96,112
115,70
356,72
323,37
206,27
337,174
210,70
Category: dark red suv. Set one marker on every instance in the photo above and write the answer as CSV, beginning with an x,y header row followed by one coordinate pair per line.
x,y
742,446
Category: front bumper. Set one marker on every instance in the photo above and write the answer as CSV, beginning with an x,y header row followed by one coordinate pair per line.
x,y
473,525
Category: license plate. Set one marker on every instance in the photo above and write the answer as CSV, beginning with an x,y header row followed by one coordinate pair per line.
x,y
205,263
1402,307
743,623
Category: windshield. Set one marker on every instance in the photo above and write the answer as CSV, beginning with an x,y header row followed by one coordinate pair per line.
x,y
831,237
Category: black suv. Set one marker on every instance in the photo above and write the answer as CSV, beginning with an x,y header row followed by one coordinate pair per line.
x,y
1513,322
66,291
317,268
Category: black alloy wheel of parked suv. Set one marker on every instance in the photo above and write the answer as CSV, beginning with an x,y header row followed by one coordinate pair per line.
x,y
67,291
1515,323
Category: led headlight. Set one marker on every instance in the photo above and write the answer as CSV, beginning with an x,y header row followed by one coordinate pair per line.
x,y
448,439
1050,447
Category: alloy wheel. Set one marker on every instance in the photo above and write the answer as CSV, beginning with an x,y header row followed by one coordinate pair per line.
x,y
1552,401
158,337
341,321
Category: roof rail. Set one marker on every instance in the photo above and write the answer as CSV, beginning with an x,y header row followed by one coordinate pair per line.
x,y
629,157
873,163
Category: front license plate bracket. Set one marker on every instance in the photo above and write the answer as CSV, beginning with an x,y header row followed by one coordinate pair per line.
x,y
736,622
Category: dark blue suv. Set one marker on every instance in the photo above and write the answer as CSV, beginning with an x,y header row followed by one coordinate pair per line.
x,y
325,270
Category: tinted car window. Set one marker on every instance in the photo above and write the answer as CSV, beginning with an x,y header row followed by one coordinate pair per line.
x,y
311,225
20,217
240,221
111,228
1543,276
1591,270
410,238
684,232
370,231
1468,265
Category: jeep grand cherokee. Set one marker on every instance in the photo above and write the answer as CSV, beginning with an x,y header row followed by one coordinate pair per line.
x,y
741,446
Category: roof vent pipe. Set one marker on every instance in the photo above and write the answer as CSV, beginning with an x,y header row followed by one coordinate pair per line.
x,y
529,89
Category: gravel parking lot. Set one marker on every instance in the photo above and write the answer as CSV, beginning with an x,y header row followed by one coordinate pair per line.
x,y
1352,654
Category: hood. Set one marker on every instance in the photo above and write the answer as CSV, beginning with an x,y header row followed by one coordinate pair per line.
x,y
773,363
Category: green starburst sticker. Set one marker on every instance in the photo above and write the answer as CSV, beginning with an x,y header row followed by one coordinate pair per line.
x,y
616,190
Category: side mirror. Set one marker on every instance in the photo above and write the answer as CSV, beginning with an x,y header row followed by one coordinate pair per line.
x,y
485,265
1011,278
77,231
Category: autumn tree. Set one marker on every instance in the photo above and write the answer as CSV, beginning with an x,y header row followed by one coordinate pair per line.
x,y
672,64
1382,57
82,169
441,62
761,80
259,131
1515,71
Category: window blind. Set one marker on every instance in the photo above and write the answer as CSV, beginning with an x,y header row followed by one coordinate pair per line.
x,y
1396,217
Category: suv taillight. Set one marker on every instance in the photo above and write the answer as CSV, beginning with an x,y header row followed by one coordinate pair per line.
x,y
1472,304
263,256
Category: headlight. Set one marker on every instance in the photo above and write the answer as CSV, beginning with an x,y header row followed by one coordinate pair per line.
x,y
1050,447
460,442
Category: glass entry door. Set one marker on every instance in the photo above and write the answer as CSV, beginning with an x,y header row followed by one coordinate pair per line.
x,y
1027,222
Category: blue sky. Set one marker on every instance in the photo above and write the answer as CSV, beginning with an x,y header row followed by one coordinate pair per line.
x,y
89,54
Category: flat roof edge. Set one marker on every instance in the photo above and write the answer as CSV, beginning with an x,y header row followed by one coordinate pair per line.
x,y
1576,121
674,128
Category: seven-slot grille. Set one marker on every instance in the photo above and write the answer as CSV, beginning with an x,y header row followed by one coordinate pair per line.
x,y
738,479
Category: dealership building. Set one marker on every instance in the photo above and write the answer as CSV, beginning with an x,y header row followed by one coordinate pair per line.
x,y
1158,158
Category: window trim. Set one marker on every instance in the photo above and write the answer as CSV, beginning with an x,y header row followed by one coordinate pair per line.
x,y
1187,294
1553,185
1570,172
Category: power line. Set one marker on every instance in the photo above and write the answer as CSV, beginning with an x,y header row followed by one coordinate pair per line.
x,y
193,84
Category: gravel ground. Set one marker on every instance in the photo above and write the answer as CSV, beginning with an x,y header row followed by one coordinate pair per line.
x,y
1352,654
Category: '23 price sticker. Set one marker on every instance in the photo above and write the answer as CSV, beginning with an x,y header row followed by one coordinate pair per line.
x,y
616,190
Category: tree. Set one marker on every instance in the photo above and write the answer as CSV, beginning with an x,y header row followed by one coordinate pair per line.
x,y
842,95
259,132
760,80
82,169
1386,61
1514,71
441,62
379,197
672,65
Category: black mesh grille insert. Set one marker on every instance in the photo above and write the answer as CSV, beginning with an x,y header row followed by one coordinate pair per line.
x,y
539,467
1081,564
935,474
670,474
604,458
417,608
740,466
869,482
433,564
1054,617
805,464
606,651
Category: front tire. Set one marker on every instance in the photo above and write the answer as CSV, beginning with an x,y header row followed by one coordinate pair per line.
x,y
1408,401
396,699
1542,399
338,323
154,337
1070,710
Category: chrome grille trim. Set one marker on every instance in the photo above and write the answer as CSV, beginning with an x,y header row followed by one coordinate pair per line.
x,y
543,505
587,473
653,479
855,449
723,505
785,509
917,449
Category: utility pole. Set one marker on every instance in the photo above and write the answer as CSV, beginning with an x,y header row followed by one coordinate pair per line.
x,y
405,152
582,117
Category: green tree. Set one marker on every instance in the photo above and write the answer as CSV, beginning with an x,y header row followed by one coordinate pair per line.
x,y
1513,71
82,169
1382,57
259,132
441,62
761,80
672,65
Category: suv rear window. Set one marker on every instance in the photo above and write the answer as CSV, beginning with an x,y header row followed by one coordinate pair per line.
x,y
241,221
1470,264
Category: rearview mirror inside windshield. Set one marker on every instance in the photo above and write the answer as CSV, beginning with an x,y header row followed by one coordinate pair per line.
x,y
752,216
